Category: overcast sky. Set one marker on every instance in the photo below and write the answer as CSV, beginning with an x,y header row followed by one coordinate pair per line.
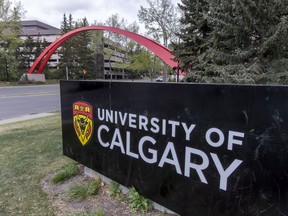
x,y
51,11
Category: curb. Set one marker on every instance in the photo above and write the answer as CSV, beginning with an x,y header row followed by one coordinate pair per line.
x,y
25,117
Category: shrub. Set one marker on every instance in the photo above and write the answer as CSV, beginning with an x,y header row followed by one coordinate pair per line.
x,y
138,202
82,191
68,171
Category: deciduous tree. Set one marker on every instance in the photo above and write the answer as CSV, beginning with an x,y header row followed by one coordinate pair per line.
x,y
9,38
161,21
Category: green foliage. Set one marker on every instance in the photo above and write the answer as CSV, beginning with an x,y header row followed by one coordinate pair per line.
x,y
67,52
278,71
54,74
94,213
8,67
194,35
67,172
121,44
233,41
85,51
25,54
28,50
249,31
139,64
82,191
9,39
85,58
142,63
138,202
160,19
115,21
96,47
76,54
226,74
114,190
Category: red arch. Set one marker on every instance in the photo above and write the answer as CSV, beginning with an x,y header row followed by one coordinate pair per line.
x,y
159,50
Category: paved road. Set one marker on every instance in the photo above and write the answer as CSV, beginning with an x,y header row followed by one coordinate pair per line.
x,y
28,100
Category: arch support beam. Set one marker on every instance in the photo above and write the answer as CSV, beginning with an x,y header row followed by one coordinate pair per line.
x,y
158,49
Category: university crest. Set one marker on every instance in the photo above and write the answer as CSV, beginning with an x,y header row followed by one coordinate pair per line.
x,y
83,121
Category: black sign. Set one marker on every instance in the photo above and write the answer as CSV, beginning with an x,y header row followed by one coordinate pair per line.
x,y
196,149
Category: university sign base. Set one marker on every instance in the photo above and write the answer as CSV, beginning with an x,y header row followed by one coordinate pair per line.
x,y
196,149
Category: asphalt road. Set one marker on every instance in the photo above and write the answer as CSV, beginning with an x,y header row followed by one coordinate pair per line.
x,y
28,100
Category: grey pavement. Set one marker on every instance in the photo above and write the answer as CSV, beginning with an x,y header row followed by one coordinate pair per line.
x,y
26,90
24,118
26,102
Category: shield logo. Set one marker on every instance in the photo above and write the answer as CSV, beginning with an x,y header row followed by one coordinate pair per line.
x,y
83,121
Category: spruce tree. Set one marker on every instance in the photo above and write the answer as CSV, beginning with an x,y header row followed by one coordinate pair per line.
x,y
38,46
245,40
85,57
193,48
249,37
67,50
25,54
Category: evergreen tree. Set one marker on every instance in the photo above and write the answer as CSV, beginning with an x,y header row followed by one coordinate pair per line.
x,y
26,54
193,48
39,46
28,51
245,42
67,52
85,57
249,37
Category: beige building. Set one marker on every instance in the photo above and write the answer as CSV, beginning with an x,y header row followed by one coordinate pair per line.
x,y
116,55
37,29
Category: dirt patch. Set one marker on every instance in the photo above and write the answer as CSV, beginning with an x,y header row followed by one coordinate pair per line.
x,y
57,194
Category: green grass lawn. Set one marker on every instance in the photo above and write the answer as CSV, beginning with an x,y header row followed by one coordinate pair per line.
x,y
29,150
3,84
15,83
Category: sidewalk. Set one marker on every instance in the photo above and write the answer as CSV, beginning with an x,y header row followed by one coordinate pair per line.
x,y
26,117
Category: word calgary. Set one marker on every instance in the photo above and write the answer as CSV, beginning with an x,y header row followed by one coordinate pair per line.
x,y
117,131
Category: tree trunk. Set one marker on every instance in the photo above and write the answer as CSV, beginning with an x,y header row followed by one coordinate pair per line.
x,y
6,69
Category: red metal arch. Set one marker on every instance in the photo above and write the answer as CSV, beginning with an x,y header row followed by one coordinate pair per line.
x,y
159,50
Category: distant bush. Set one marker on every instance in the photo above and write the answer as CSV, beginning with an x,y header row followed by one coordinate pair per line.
x,y
52,74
